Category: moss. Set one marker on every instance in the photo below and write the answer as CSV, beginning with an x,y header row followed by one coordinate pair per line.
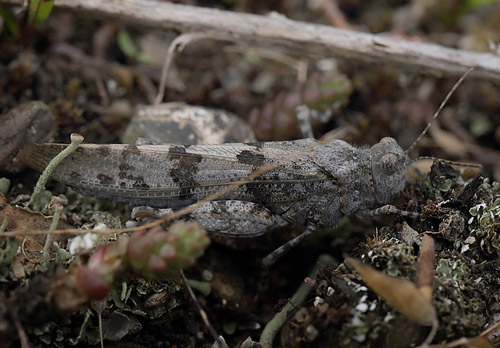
x,y
8,249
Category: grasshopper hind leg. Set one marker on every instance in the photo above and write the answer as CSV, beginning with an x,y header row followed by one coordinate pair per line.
x,y
233,219
224,219
270,259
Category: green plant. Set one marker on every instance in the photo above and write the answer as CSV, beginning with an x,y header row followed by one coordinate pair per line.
x,y
38,12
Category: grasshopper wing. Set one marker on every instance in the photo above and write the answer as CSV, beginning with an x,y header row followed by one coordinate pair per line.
x,y
177,175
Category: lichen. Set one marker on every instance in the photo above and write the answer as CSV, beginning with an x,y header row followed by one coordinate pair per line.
x,y
390,254
484,224
466,264
8,249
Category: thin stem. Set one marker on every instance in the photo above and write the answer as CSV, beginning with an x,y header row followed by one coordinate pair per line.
x,y
4,224
179,43
50,235
275,324
201,311
76,139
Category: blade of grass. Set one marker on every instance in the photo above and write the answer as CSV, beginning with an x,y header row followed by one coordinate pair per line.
x,y
10,21
38,12
130,49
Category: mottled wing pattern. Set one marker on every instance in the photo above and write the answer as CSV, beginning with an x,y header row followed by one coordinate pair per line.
x,y
177,175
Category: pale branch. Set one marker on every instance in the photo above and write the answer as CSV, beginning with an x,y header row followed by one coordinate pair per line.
x,y
303,38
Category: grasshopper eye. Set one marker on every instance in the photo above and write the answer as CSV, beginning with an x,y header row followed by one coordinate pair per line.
x,y
389,163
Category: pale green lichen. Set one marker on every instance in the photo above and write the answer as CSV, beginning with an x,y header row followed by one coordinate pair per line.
x,y
88,212
50,334
139,291
8,249
356,332
367,323
389,254
484,224
453,272
446,185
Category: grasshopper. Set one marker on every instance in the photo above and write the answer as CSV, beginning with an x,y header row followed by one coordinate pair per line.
x,y
309,183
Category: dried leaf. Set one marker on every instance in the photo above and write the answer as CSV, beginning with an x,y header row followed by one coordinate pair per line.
x,y
20,219
23,219
408,234
424,167
400,293
448,142
478,342
116,327
421,165
425,267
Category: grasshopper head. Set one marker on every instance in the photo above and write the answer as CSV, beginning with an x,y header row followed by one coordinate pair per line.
x,y
388,170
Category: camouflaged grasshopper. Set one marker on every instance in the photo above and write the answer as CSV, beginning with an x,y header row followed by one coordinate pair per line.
x,y
310,184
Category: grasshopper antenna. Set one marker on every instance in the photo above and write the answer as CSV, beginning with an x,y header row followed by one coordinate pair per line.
x,y
438,111
451,163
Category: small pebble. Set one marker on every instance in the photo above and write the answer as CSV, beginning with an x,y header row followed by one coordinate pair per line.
x,y
28,123
4,185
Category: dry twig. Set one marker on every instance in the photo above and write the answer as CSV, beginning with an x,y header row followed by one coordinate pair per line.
x,y
302,38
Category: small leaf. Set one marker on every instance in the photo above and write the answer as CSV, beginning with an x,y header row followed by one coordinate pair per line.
x,y
480,126
39,11
471,5
419,165
425,267
400,293
448,141
10,22
479,342
130,49
126,44
116,327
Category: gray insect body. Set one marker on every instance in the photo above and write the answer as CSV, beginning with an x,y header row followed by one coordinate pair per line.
x,y
311,184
